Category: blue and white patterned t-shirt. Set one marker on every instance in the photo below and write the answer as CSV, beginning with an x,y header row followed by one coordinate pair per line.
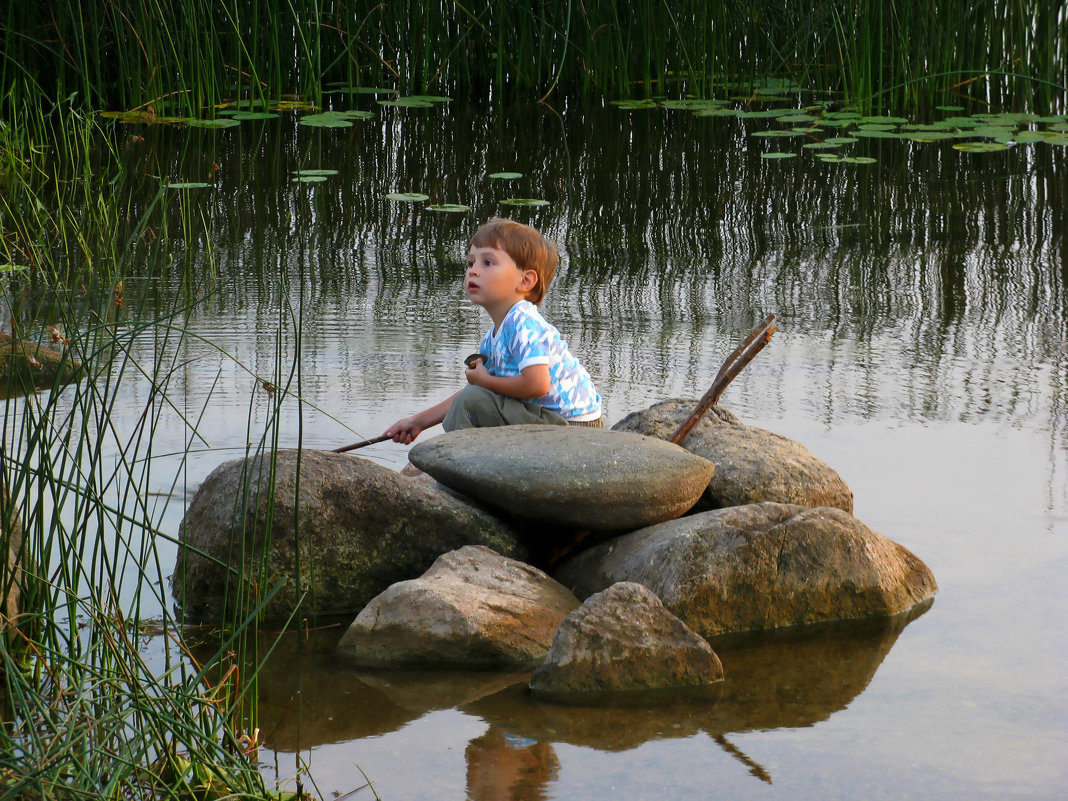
x,y
526,338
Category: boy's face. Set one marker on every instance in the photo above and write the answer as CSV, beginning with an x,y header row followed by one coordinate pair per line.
x,y
494,281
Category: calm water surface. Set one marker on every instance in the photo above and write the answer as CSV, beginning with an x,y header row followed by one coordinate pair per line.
x,y
921,352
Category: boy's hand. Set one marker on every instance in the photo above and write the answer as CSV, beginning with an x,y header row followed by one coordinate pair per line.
x,y
476,372
404,431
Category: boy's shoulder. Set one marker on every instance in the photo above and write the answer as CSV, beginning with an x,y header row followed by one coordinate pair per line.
x,y
525,314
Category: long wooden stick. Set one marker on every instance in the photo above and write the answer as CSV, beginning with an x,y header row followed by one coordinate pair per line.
x,y
732,365
362,444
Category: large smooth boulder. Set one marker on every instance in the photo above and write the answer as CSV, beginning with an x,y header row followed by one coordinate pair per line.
x,y
752,465
760,566
338,531
624,639
567,475
472,608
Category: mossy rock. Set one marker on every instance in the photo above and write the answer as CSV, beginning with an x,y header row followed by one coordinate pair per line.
x,y
25,365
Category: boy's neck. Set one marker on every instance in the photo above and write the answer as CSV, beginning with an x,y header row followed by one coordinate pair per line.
x,y
500,311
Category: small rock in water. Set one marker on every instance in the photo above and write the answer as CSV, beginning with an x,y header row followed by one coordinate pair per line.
x,y
624,639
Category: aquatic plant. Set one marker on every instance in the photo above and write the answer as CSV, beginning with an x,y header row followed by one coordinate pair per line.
x,y
160,59
87,712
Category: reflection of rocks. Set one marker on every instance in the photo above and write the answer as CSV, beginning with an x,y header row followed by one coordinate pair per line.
x,y
569,476
624,639
308,697
764,565
472,608
361,528
784,679
752,465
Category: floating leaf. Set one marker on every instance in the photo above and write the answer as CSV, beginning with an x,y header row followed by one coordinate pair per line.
x,y
216,123
13,268
363,90
406,102
429,98
506,176
448,207
254,115
930,136
778,155
325,120
634,105
354,114
950,108
980,147
775,133
309,179
407,197
857,160
717,112
315,172
187,185
293,105
827,145
841,140
882,121
872,133
524,201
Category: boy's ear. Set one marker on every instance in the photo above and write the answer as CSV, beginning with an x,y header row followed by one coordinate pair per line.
x,y
528,281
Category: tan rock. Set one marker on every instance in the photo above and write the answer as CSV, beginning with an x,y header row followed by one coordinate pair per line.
x,y
624,639
472,608
759,566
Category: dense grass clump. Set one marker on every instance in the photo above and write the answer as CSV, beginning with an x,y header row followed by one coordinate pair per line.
x,y
189,55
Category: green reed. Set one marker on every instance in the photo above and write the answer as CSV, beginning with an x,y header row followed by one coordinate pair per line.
x,y
101,697
188,56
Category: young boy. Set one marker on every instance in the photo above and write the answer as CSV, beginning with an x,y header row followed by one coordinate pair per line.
x,y
529,376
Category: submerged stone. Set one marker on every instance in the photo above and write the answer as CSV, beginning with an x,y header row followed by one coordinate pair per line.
x,y
583,477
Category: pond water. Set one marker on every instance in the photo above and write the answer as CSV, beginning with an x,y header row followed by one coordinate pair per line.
x,y
921,351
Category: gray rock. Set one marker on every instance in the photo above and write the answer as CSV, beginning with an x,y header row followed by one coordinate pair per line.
x,y
472,608
759,566
333,540
584,477
624,639
752,465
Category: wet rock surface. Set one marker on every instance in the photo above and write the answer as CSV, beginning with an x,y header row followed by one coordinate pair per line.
x,y
570,476
340,535
472,608
752,465
759,566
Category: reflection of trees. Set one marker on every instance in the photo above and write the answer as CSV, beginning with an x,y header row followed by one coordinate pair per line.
x,y
931,265
503,767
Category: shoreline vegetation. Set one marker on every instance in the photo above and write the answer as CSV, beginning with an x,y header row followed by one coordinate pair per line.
x,y
85,713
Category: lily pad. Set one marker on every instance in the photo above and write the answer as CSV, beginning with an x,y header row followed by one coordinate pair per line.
x,y
354,114
406,102
254,115
223,122
293,105
187,185
950,108
857,160
429,98
841,140
524,201
980,147
407,197
826,145
776,133
634,105
318,173
309,179
506,176
717,112
778,155
872,133
882,121
13,268
325,120
455,207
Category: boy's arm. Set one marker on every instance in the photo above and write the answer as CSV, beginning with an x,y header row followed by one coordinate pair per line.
x,y
407,429
532,383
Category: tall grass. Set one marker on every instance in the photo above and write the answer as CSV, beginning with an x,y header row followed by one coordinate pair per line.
x,y
189,55
89,711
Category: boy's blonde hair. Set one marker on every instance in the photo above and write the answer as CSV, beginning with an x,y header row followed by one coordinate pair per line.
x,y
527,247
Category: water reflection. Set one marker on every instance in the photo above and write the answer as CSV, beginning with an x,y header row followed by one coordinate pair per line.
x,y
787,679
